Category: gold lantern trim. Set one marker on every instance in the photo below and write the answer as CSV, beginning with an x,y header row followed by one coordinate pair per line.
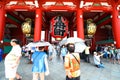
x,y
89,21
91,28
28,20
26,27
58,39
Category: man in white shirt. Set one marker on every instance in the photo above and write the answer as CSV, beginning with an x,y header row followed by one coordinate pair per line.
x,y
12,60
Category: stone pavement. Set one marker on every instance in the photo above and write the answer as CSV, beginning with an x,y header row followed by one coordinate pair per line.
x,y
88,70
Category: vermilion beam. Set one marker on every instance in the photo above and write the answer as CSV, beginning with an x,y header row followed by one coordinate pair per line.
x,y
97,9
59,8
103,23
102,20
12,22
20,8
101,17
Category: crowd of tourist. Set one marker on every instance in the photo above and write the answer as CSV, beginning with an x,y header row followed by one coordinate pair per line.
x,y
110,52
39,56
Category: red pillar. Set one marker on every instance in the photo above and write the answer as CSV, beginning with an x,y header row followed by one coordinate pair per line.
x,y
116,26
80,29
46,34
2,22
38,25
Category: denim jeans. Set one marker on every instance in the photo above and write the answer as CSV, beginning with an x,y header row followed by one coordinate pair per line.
x,y
100,66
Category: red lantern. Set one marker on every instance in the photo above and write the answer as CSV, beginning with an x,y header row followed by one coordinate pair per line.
x,y
59,27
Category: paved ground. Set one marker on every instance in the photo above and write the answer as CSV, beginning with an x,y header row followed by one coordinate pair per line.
x,y
88,70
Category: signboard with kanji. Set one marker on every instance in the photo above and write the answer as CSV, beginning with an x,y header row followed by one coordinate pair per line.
x,y
59,27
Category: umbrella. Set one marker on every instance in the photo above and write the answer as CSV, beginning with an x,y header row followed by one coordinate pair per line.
x,y
31,44
79,43
70,40
42,43
80,47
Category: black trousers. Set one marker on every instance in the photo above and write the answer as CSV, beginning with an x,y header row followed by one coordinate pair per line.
x,y
87,58
63,58
76,78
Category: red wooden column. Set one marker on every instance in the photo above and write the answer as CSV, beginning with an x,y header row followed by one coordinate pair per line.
x,y
38,25
2,22
116,25
80,29
46,34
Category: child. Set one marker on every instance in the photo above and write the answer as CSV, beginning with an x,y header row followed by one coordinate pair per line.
x,y
40,64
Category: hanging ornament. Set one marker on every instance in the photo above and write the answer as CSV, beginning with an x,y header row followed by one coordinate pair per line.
x,y
91,28
59,27
26,27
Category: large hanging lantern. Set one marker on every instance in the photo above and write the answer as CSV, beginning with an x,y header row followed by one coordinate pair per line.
x,y
26,27
59,27
91,28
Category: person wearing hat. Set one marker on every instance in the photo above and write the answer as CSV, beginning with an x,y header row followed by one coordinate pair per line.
x,y
12,60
